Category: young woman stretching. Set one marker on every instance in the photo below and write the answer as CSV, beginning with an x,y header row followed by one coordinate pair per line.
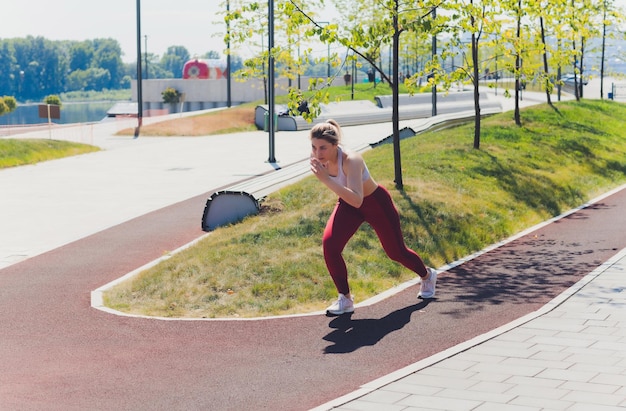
x,y
361,199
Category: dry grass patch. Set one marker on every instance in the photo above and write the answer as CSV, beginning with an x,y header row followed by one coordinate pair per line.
x,y
234,119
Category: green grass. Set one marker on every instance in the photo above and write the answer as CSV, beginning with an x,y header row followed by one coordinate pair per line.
x,y
456,200
105,95
18,152
362,91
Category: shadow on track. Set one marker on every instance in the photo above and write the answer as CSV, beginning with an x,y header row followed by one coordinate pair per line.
x,y
349,335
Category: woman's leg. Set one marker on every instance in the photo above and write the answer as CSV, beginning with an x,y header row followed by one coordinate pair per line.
x,y
382,215
341,226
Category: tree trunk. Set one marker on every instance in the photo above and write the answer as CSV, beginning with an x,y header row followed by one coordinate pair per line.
x,y
582,55
603,50
518,65
575,75
545,60
476,92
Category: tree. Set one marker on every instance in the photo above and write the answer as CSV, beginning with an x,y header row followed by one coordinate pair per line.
x,y
107,56
10,78
174,59
367,30
542,10
580,16
211,54
7,104
478,19
610,17
81,55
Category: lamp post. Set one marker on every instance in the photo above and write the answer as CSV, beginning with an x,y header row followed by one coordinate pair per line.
x,y
328,65
270,86
145,54
139,80
228,62
434,53
21,82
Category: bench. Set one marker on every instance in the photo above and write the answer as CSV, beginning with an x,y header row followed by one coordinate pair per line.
x,y
427,98
354,113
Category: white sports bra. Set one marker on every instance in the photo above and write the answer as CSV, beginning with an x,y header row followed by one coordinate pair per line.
x,y
341,177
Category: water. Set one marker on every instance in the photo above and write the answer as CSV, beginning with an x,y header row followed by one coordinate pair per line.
x,y
70,113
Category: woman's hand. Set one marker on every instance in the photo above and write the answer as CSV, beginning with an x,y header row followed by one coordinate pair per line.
x,y
319,169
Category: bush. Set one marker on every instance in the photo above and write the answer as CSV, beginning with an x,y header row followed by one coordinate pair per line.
x,y
7,104
170,95
53,99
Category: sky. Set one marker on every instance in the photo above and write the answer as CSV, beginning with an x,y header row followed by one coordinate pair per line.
x,y
194,24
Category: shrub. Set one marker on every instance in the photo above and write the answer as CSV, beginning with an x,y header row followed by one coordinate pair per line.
x,y
53,99
170,95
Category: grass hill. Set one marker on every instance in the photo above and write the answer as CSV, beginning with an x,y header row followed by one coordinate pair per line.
x,y
456,200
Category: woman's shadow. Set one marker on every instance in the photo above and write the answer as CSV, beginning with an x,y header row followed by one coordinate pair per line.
x,y
349,335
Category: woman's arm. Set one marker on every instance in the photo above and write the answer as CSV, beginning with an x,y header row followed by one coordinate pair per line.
x,y
352,193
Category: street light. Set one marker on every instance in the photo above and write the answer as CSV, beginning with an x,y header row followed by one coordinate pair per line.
x,y
139,81
434,53
145,54
271,91
228,61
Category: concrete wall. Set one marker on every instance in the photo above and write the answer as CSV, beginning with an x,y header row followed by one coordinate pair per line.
x,y
209,93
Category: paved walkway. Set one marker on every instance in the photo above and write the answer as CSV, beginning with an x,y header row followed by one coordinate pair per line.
x,y
568,355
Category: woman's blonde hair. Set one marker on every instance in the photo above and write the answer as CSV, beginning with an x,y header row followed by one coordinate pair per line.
x,y
329,131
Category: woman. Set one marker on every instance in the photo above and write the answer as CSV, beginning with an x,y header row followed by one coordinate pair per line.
x,y
361,199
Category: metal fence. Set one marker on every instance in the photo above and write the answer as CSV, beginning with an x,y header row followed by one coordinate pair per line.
x,y
618,91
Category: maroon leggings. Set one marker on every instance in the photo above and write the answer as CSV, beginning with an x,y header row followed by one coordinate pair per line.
x,y
378,211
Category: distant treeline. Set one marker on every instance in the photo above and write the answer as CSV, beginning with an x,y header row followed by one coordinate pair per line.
x,y
34,67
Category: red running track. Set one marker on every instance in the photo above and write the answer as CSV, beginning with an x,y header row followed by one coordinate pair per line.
x,y
58,353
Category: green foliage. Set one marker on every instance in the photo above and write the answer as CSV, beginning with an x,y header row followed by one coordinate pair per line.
x,y
366,31
456,200
53,99
34,67
171,95
10,102
104,95
7,104
174,60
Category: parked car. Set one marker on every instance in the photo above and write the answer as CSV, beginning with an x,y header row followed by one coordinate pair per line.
x,y
569,79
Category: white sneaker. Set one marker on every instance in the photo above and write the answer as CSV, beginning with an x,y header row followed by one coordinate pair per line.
x,y
342,305
427,287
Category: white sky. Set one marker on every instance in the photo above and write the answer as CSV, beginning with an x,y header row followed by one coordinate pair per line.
x,y
188,23
194,24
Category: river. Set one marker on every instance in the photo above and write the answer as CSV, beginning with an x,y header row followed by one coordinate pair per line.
x,y
70,113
